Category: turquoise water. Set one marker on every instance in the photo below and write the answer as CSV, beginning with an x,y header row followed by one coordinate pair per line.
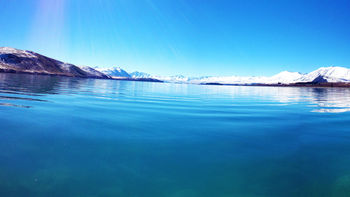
x,y
86,137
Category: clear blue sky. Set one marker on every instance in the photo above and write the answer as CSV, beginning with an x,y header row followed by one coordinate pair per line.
x,y
189,37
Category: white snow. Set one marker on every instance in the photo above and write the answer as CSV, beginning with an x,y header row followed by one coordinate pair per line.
x,y
284,77
140,75
91,71
331,74
19,53
173,79
115,72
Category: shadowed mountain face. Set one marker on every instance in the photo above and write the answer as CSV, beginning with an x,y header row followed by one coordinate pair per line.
x,y
320,79
20,61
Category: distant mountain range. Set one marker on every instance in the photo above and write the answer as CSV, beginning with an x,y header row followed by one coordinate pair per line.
x,y
20,61
321,75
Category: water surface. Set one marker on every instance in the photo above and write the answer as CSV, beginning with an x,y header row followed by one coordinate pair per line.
x,y
63,136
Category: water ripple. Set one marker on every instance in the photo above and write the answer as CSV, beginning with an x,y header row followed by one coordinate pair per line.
x,y
20,98
170,96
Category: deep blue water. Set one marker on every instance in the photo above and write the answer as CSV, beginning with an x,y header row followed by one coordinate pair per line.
x,y
87,137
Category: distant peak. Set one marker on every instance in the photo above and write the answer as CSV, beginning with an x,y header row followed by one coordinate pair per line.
x,y
331,68
287,73
114,71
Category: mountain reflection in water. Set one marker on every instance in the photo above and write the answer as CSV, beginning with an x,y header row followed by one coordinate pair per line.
x,y
32,87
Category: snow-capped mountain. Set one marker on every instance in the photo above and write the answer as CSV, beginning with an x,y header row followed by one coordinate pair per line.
x,y
137,74
321,75
174,79
284,77
324,74
226,80
20,61
170,79
114,72
327,74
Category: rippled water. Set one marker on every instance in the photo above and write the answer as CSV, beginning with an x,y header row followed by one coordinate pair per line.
x,y
85,137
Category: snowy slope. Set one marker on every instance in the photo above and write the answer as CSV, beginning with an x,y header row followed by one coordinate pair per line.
x,y
114,72
227,80
93,72
330,74
17,52
140,75
284,77
173,79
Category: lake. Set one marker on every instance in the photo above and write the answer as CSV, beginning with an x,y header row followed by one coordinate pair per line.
x,y
62,136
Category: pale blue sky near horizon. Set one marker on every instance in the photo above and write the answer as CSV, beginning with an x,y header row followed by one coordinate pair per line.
x,y
188,37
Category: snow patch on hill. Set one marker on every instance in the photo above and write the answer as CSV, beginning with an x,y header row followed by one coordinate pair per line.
x,y
114,72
